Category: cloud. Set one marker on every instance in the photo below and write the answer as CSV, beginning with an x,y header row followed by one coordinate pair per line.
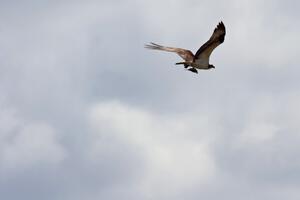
x,y
89,114
175,150
27,144
264,148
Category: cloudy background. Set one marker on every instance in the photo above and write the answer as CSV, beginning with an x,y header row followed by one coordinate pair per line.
x,y
87,113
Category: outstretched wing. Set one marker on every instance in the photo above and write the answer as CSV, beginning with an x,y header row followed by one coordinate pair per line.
x,y
185,54
217,38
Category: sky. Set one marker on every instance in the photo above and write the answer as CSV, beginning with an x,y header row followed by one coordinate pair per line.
x,y
87,113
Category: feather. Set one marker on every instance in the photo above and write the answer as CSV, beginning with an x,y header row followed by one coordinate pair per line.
x,y
185,54
215,40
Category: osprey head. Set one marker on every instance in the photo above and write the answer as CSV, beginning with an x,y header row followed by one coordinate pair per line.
x,y
210,66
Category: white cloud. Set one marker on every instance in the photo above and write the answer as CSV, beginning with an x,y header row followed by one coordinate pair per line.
x,y
26,144
175,148
258,132
260,126
170,132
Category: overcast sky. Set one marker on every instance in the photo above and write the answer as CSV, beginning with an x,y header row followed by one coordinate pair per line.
x,y
87,113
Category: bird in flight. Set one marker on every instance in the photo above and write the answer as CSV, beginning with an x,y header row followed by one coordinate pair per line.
x,y
201,59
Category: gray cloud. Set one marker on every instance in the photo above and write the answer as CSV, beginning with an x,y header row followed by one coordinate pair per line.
x,y
87,113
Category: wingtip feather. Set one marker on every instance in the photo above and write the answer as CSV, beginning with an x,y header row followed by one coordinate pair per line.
x,y
153,45
221,25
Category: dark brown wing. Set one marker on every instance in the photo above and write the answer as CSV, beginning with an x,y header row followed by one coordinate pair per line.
x,y
215,40
185,54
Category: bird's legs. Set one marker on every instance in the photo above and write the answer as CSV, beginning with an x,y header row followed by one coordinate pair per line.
x,y
186,65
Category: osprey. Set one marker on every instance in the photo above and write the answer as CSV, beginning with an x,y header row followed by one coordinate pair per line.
x,y
201,59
